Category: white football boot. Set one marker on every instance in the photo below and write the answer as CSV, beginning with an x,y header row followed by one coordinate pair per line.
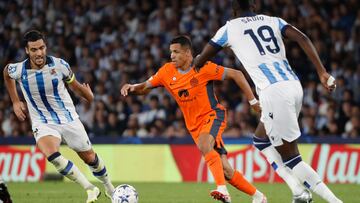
x,y
259,198
93,194
304,197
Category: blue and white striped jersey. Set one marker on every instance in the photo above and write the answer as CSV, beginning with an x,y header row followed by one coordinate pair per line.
x,y
44,90
257,42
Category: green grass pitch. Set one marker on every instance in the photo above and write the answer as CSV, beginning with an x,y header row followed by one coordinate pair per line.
x,y
64,192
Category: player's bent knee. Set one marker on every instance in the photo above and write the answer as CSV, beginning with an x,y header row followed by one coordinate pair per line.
x,y
94,162
260,131
87,156
204,148
48,145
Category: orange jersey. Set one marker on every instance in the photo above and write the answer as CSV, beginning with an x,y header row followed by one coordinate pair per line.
x,y
194,93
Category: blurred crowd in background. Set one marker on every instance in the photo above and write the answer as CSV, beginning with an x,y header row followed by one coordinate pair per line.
x,y
112,42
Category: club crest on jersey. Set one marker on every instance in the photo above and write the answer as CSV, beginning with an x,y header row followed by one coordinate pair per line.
x,y
217,69
194,82
53,71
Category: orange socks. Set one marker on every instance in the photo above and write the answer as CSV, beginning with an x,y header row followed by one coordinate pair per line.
x,y
213,161
242,184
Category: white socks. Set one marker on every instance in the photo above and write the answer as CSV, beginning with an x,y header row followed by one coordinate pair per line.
x,y
69,170
312,180
258,196
274,159
222,189
99,171
284,172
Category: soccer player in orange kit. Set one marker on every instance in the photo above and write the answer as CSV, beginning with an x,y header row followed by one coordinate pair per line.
x,y
205,117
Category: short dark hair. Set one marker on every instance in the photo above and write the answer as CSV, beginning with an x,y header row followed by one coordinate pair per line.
x,y
32,36
183,40
243,4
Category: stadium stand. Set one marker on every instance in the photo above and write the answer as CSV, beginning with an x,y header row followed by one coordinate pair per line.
x,y
108,42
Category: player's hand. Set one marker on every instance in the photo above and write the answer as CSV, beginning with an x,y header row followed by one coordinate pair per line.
x,y
197,69
20,110
126,89
86,92
328,81
88,88
256,107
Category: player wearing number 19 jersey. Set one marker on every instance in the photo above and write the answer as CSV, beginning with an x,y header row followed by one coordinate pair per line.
x,y
258,34
257,42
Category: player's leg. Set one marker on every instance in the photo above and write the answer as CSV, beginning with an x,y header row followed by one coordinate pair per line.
x,y
49,146
206,144
236,179
292,159
97,166
4,193
281,107
77,139
48,139
263,144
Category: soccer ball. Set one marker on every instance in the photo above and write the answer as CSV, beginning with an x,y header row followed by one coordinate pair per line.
x,y
124,194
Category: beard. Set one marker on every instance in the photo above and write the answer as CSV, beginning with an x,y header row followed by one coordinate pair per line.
x,y
39,61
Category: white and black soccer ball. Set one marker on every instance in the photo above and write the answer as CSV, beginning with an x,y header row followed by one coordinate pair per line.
x,y
124,194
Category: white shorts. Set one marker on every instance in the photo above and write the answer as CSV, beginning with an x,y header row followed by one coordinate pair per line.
x,y
73,134
281,105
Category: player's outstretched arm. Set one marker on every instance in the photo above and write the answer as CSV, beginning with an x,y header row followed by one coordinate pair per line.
x,y
206,54
241,81
18,106
138,89
82,90
305,43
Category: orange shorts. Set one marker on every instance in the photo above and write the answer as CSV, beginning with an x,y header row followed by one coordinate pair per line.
x,y
213,124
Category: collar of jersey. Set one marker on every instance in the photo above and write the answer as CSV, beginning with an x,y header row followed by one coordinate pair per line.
x,y
49,61
187,70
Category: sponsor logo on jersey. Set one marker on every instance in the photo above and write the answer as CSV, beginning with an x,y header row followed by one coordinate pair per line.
x,y
12,69
183,92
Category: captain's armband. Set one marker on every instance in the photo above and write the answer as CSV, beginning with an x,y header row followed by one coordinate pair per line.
x,y
71,79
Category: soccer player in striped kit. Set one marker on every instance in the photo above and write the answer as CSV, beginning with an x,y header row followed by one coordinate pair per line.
x,y
257,42
53,117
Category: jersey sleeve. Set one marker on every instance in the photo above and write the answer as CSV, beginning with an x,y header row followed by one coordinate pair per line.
x,y
157,79
214,71
220,40
282,24
14,71
68,75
